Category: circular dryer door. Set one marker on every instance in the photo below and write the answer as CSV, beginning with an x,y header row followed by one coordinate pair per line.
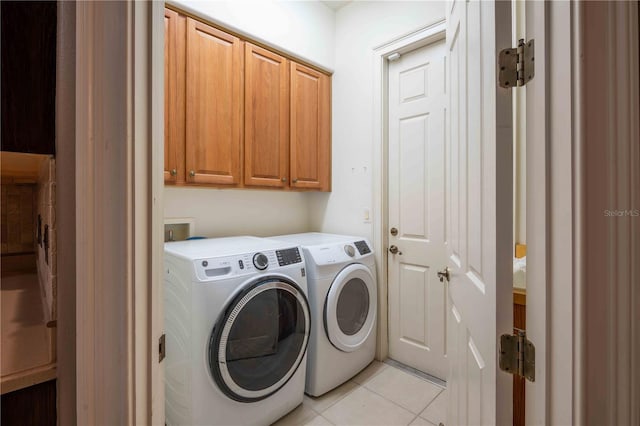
x,y
350,308
260,340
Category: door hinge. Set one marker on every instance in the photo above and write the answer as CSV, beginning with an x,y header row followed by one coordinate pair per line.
x,y
162,348
516,65
518,355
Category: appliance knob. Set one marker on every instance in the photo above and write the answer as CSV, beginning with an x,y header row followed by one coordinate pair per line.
x,y
260,261
349,250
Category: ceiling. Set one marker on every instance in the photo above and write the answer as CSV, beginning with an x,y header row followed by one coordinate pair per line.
x,y
336,4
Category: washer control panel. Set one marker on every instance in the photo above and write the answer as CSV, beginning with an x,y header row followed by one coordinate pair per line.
x,y
288,256
260,261
242,264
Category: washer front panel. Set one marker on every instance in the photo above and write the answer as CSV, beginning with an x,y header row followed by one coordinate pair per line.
x,y
260,340
350,308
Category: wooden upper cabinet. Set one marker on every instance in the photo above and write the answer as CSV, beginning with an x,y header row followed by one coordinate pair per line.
x,y
266,118
213,107
237,114
310,129
174,92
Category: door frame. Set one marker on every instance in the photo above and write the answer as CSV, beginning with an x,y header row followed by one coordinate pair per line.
x,y
607,103
414,40
129,330
119,131
571,249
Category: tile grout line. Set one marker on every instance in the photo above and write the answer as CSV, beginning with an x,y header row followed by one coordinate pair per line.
x,y
404,408
357,386
429,404
375,374
320,414
341,398
412,420
396,404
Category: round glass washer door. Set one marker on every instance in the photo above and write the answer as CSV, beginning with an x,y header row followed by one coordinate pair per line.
x,y
260,340
350,308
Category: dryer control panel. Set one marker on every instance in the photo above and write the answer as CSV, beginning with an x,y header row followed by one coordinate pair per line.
x,y
341,252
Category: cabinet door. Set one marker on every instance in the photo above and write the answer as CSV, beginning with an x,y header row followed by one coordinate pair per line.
x,y
214,105
174,87
266,118
310,129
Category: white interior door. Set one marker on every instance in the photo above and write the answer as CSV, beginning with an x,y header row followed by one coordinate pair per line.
x,y
479,213
417,300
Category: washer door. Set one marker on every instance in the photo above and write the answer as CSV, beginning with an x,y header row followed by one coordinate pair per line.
x,y
350,308
260,339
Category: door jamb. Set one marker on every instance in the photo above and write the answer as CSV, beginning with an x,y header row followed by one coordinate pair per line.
x,y
584,173
406,43
119,157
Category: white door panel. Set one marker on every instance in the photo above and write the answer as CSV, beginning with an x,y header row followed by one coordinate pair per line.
x,y
417,300
479,213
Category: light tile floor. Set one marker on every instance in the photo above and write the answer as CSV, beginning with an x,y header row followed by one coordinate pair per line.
x,y
380,395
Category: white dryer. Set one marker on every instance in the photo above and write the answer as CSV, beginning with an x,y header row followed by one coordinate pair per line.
x,y
237,325
343,296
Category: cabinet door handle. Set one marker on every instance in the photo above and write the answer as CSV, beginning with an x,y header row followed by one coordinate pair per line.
x,y
173,172
295,181
284,179
192,173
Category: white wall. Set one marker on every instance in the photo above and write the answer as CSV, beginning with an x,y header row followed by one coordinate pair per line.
x,y
360,27
304,29
226,212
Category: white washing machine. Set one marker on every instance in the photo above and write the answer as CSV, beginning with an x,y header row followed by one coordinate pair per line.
x,y
343,296
237,325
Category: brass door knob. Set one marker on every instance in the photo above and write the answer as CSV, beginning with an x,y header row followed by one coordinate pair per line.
x,y
284,179
295,181
173,172
445,274
395,250
192,173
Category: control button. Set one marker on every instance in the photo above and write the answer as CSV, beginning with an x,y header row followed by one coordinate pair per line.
x,y
241,264
205,263
362,247
349,250
260,261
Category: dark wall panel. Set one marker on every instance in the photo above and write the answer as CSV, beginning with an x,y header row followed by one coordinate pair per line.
x,y
32,406
28,76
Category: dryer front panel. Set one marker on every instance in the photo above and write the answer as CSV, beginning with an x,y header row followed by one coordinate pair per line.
x,y
350,308
260,340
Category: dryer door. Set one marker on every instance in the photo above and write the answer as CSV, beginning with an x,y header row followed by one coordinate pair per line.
x,y
260,340
350,308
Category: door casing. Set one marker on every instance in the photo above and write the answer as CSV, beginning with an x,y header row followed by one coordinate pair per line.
x,y
415,40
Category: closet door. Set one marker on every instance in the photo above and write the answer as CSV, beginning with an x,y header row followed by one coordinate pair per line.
x,y
266,121
310,129
213,105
